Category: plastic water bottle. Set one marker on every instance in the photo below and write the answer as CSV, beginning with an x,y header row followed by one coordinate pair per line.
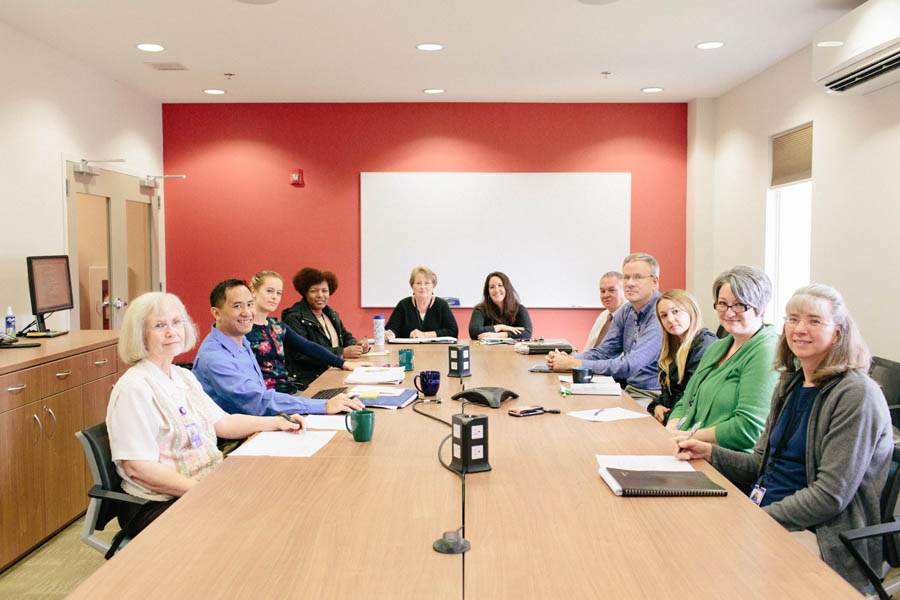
x,y
11,323
378,326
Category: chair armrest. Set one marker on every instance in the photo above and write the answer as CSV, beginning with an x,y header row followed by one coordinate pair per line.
x,y
99,492
871,531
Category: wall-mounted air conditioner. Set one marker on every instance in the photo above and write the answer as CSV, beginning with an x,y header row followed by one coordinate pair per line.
x,y
860,52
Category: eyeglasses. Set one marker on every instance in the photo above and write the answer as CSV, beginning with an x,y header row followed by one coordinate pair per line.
x,y
813,322
166,325
738,307
637,278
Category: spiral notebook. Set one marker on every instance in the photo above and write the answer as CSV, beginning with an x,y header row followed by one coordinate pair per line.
x,y
628,482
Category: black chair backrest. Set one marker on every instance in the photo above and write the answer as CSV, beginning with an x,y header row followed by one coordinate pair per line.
x,y
889,496
98,438
886,373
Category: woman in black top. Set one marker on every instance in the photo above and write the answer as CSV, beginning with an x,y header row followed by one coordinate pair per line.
x,y
423,314
313,319
683,344
499,315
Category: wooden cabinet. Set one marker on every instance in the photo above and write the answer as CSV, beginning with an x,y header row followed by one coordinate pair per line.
x,y
46,395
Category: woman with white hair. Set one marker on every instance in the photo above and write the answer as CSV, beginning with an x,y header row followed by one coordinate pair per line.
x,y
162,426
822,460
728,395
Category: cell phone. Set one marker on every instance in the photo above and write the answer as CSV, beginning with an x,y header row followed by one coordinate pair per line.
x,y
526,411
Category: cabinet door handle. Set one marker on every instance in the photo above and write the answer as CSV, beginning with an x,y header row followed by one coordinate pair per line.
x,y
97,363
64,374
50,410
40,430
17,388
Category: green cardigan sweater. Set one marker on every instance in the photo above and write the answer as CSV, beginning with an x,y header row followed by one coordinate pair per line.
x,y
736,396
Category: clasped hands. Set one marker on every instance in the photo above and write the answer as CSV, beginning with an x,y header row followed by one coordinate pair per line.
x,y
560,361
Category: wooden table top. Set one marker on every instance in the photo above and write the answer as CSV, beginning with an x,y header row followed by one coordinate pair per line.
x,y
13,359
358,520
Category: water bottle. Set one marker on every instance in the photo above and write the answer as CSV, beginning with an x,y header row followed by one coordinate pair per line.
x,y
378,326
11,323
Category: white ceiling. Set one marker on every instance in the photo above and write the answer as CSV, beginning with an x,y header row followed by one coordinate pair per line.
x,y
364,50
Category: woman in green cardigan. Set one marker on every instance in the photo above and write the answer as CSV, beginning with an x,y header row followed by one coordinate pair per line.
x,y
730,393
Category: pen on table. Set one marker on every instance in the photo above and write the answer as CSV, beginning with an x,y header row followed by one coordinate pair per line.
x,y
552,411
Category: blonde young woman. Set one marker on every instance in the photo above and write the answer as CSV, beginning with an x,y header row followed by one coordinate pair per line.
x,y
683,343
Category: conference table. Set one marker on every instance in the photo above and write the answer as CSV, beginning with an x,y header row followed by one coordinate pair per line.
x,y
358,520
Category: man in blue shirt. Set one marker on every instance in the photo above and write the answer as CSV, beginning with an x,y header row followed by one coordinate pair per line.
x,y
227,369
630,350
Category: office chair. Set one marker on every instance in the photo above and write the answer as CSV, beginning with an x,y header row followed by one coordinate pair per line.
x,y
888,529
108,501
886,373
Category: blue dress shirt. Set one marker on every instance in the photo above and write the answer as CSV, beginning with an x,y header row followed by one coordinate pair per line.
x,y
231,376
630,350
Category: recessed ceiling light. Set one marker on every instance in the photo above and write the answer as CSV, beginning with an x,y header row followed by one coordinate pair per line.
x,y
150,47
433,91
709,45
651,90
596,2
430,47
830,44
257,1
212,92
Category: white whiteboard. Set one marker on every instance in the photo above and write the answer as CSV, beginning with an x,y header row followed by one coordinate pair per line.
x,y
553,234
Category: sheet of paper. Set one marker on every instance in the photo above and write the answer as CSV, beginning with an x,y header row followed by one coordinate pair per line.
x,y
376,375
376,353
597,389
285,443
433,340
334,422
615,413
643,462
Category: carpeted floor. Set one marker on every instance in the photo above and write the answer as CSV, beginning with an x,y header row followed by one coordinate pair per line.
x,y
54,569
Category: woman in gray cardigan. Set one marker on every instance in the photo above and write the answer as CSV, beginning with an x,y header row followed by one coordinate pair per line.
x,y
821,462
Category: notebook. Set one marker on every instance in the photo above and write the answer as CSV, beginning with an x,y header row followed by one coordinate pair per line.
x,y
391,398
544,346
628,482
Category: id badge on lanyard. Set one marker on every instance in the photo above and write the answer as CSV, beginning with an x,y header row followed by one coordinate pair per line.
x,y
193,430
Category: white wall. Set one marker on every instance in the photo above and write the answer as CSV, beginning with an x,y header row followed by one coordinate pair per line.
x,y
52,104
856,188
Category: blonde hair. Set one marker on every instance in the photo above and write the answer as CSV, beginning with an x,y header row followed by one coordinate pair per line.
x,y
425,271
675,348
848,353
258,279
132,346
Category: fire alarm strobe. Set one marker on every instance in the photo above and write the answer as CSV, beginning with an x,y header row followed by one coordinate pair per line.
x,y
297,178
470,444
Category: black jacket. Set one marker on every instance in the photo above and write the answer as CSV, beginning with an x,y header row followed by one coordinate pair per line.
x,y
703,339
301,319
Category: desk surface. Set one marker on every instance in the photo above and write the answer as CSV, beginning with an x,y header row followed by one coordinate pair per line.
x,y
359,519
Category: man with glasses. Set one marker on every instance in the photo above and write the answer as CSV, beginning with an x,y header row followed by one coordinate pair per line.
x,y
630,350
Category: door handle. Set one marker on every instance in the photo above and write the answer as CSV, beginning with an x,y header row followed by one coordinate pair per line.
x,y
119,303
97,363
50,410
40,430
17,388
64,374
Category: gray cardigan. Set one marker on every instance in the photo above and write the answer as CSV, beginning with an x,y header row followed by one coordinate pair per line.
x,y
848,449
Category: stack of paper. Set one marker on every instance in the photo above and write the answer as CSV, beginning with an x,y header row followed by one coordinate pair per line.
x,y
597,389
376,375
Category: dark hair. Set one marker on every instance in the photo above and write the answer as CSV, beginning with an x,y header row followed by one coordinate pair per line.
x,y
507,314
217,295
308,277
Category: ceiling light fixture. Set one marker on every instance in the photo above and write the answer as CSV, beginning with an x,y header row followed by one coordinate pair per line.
x,y
433,91
212,92
709,45
830,44
651,90
150,47
430,47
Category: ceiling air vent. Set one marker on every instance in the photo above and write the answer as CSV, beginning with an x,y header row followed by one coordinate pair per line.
x,y
167,66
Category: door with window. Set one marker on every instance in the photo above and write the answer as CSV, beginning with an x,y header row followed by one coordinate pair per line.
x,y
114,244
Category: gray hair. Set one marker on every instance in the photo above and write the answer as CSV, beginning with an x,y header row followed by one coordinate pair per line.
x,y
132,347
750,286
654,266
615,274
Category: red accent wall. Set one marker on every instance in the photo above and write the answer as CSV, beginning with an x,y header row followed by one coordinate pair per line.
x,y
236,213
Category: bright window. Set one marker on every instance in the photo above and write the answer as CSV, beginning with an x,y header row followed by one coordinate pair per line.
x,y
788,226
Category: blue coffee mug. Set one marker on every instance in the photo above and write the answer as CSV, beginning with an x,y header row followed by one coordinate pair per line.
x,y
431,381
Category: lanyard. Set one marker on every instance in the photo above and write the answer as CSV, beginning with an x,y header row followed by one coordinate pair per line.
x,y
788,432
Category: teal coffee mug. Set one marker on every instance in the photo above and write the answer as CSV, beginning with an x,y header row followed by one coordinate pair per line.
x,y
406,359
360,423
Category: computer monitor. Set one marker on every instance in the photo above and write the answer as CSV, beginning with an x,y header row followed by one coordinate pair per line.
x,y
50,285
